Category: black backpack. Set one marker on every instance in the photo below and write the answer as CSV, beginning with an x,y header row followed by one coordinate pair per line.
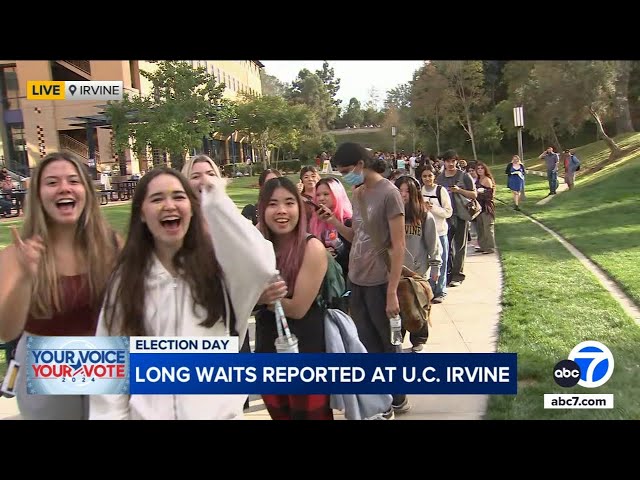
x,y
437,195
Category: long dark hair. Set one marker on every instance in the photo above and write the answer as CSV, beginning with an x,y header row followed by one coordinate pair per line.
x,y
195,260
414,212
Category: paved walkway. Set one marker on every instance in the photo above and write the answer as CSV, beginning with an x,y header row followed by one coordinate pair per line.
x,y
466,322
562,186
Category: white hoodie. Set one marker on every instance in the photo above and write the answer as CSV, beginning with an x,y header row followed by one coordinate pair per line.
x,y
248,262
440,213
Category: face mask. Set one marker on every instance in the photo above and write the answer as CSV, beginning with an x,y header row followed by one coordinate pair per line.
x,y
353,178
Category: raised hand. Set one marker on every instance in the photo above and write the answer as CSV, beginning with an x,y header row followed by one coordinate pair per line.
x,y
28,252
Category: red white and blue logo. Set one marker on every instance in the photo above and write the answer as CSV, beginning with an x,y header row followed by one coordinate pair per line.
x,y
77,365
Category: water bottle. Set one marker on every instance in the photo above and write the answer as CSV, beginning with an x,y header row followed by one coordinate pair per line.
x,y
395,325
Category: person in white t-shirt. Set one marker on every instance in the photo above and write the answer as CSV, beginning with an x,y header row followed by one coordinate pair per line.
x,y
438,202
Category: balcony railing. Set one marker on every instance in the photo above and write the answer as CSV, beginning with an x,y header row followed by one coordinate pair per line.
x,y
84,65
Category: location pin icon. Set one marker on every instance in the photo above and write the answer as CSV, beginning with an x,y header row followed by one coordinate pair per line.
x,y
72,89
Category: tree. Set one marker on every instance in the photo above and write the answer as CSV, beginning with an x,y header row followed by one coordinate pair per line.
x,y
353,115
582,90
465,79
621,106
273,122
271,85
331,83
180,111
431,100
309,89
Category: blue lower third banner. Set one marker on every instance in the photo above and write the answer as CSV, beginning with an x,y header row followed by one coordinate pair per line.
x,y
328,373
211,365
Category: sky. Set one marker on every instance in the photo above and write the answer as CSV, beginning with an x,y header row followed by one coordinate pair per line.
x,y
357,77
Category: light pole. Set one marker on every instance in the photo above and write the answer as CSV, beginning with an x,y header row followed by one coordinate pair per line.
x,y
393,134
518,121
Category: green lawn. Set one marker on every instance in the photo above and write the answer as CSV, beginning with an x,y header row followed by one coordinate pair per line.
x,y
550,304
601,217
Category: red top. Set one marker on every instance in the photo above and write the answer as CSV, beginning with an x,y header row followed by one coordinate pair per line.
x,y
77,318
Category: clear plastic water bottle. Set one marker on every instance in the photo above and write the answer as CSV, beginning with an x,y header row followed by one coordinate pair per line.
x,y
395,325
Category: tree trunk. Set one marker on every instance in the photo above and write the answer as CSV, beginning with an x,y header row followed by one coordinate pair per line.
x,y
437,135
470,131
616,151
621,102
556,141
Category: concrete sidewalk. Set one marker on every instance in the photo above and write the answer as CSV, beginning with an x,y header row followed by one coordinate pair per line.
x,y
466,322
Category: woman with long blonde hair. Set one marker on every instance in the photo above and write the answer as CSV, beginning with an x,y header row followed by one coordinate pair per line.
x,y
56,271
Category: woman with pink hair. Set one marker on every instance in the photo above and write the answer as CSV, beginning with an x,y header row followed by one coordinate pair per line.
x,y
331,223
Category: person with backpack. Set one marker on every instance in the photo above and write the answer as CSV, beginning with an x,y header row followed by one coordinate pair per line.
x,y
422,250
458,184
378,213
571,166
303,263
437,201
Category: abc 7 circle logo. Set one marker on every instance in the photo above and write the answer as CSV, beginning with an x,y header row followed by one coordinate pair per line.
x,y
590,365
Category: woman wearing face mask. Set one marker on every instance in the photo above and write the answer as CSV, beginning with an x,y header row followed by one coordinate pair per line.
x,y
374,297
302,262
184,271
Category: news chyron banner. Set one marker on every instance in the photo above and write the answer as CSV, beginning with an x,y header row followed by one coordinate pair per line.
x,y
181,365
75,90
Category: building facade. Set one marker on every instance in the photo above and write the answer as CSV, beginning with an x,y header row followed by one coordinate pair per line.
x,y
30,129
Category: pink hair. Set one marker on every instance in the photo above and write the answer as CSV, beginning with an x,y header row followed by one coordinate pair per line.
x,y
289,256
342,208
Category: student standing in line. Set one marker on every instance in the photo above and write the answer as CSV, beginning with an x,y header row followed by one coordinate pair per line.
x,y
437,201
302,262
422,252
374,288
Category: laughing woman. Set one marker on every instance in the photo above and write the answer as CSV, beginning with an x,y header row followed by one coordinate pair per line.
x,y
302,261
178,277
55,272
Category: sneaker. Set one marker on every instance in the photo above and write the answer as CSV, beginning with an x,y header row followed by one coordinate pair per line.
x,y
417,348
437,300
389,415
404,407
455,283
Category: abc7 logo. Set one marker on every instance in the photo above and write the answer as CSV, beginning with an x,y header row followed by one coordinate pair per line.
x,y
590,365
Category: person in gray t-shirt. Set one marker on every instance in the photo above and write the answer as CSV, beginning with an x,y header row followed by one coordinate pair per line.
x,y
551,160
456,182
378,231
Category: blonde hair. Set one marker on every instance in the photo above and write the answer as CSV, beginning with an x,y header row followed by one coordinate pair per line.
x,y
94,239
188,166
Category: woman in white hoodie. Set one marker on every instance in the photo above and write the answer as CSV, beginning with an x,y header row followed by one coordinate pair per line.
x,y
174,278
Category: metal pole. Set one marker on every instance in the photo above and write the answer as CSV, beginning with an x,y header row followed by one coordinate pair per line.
x,y
520,149
521,155
394,146
91,161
